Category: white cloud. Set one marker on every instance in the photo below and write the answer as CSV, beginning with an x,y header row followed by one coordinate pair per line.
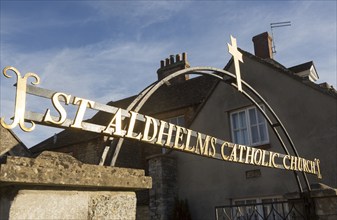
x,y
141,13
101,72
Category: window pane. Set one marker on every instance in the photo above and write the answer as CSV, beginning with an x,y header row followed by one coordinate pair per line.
x,y
252,116
235,120
236,136
172,120
244,137
242,120
181,121
255,134
260,117
249,127
263,132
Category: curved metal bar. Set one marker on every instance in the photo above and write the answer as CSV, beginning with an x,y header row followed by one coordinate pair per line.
x,y
146,94
271,124
280,125
132,104
275,131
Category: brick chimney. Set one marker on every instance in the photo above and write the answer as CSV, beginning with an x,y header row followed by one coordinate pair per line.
x,y
173,64
263,45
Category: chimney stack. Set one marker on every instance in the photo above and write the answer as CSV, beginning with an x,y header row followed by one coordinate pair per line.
x,y
263,46
173,64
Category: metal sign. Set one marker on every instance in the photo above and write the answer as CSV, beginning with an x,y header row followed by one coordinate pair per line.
x,y
125,123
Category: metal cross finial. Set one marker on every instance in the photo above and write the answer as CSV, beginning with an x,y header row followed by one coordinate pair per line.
x,y
237,56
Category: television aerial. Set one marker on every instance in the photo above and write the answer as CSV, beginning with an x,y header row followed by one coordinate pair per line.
x,y
277,25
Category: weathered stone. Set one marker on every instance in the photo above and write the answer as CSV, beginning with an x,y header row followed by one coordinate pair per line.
x,y
52,204
163,170
9,142
57,186
321,190
325,199
58,169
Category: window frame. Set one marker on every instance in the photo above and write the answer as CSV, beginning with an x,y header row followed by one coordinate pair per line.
x,y
249,125
176,118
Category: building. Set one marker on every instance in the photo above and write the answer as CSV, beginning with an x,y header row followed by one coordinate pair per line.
x,y
205,104
10,144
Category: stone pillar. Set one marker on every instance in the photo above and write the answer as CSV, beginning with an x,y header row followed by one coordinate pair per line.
x,y
325,200
57,186
163,170
318,204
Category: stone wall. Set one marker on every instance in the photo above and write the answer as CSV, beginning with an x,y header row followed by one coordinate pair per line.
x,y
319,204
89,152
57,186
72,204
163,170
325,201
10,143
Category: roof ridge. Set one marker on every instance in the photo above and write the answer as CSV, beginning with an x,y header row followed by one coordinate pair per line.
x,y
330,92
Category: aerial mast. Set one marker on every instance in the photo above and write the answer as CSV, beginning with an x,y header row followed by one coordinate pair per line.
x,y
277,25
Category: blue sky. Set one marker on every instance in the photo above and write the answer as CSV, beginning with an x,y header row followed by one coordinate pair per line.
x,y
108,50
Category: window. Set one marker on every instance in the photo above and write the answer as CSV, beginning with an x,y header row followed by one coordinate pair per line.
x,y
179,120
249,127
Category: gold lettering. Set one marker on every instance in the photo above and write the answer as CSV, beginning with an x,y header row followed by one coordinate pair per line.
x,y
224,157
162,133
233,156
202,148
305,165
83,104
57,105
148,122
300,164
286,157
242,148
213,144
258,161
115,125
309,164
312,167
188,140
293,163
319,176
249,154
179,137
132,122
264,158
273,159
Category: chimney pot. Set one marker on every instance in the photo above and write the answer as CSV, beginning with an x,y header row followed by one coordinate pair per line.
x,y
184,57
172,64
177,57
263,45
171,59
